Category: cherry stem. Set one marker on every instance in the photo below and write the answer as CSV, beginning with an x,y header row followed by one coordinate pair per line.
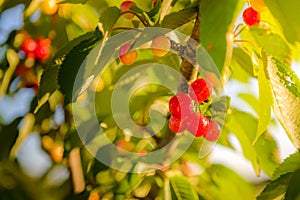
x,y
238,32
130,12
253,45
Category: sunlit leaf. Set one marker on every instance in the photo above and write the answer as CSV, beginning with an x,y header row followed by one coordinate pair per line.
x,y
286,91
182,189
217,19
243,59
177,19
271,42
265,99
243,125
268,153
216,184
287,13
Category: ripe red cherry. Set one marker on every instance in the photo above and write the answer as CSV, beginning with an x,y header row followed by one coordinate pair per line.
x,y
251,17
29,45
180,105
177,125
125,6
200,90
43,49
213,132
198,124
127,57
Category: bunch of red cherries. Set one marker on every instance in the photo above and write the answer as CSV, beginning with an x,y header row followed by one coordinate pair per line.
x,y
183,117
34,50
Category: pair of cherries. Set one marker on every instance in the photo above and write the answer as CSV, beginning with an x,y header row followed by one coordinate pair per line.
x,y
38,49
184,118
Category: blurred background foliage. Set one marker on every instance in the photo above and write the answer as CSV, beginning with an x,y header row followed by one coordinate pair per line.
x,y
42,156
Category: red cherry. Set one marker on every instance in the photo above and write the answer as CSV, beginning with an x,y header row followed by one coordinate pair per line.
x,y
43,41
43,49
29,45
180,105
213,132
251,17
125,6
200,90
127,57
198,124
177,125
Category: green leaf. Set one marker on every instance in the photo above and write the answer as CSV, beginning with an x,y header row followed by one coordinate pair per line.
x,y
293,191
216,182
182,189
268,153
8,136
155,9
177,19
109,18
243,59
265,99
264,154
287,13
286,92
73,1
270,41
49,82
276,188
69,70
216,19
244,125
290,164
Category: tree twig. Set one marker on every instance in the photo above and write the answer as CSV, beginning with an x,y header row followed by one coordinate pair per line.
x,y
187,68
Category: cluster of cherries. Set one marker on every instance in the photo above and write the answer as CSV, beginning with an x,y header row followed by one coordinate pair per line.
x,y
33,50
184,118
251,15
38,49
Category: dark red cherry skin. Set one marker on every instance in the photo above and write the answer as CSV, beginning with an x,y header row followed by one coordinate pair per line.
x,y
198,124
29,45
42,50
177,125
200,90
180,105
